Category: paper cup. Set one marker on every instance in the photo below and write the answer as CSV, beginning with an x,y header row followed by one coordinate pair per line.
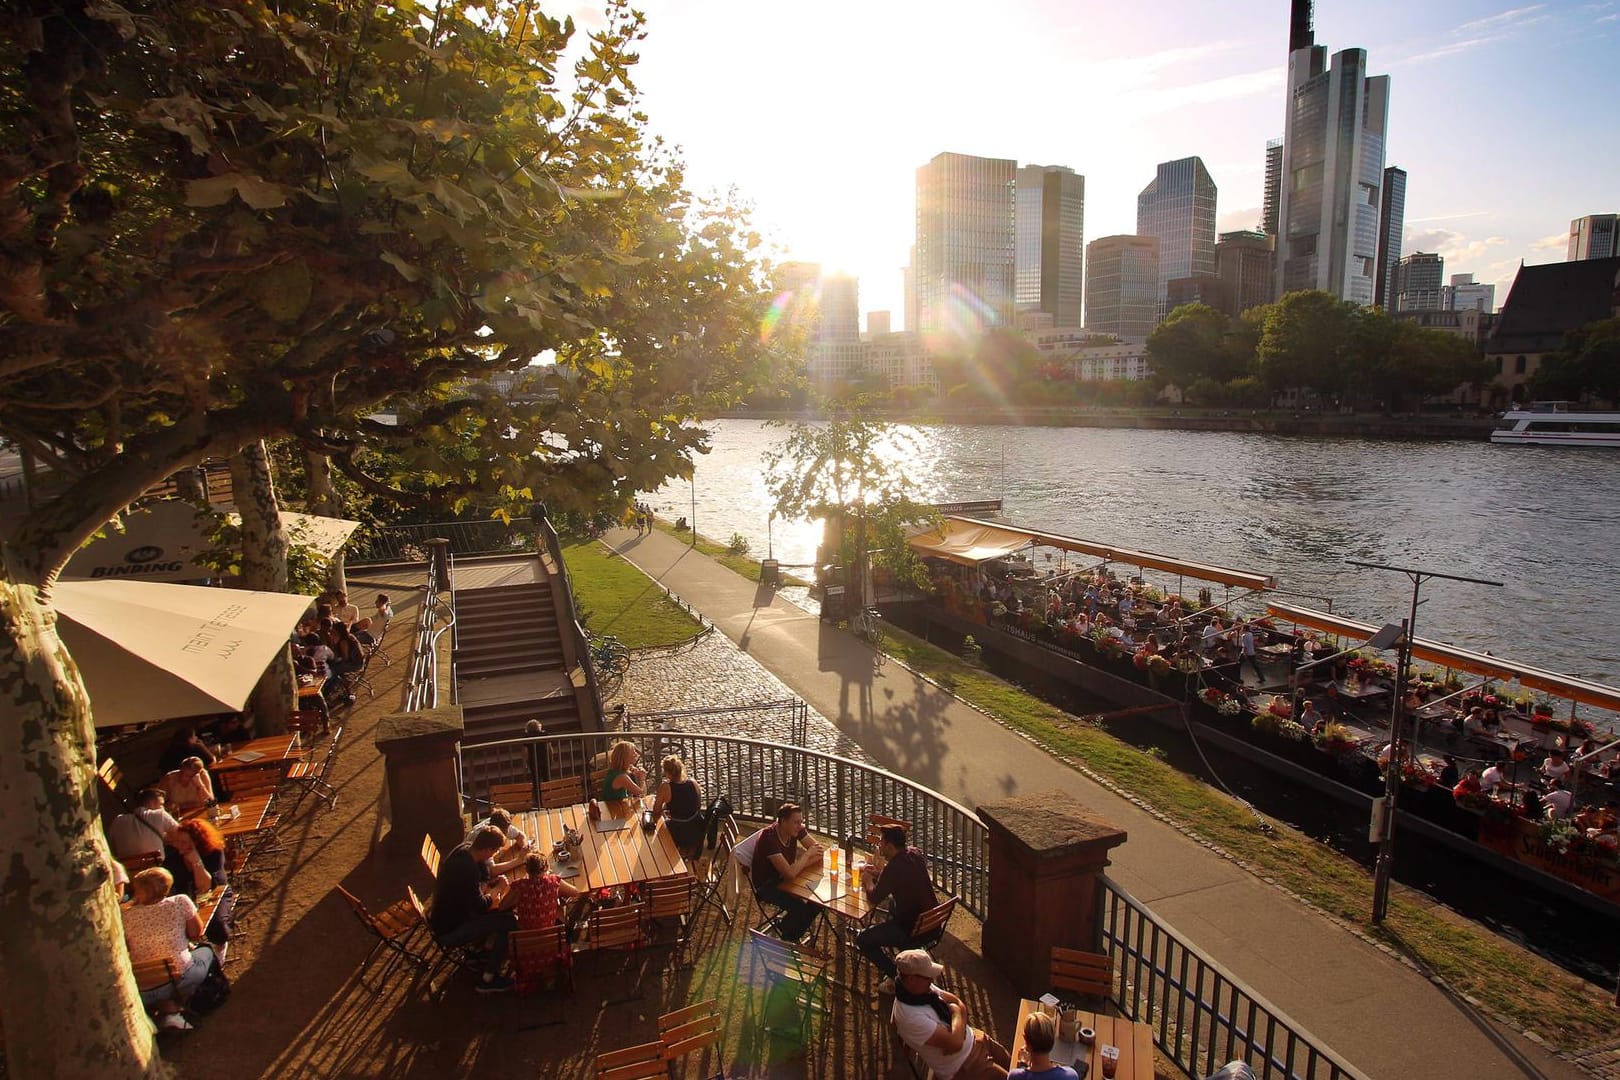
x,y
1110,1060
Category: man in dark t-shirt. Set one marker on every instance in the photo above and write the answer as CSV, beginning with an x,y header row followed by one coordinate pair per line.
x,y
784,851
464,913
904,883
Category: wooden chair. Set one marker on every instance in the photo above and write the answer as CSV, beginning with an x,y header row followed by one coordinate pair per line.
x,y
1088,974
393,928
311,776
618,927
443,955
793,978
430,856
563,792
644,1062
594,786
310,724
686,1031
310,699
153,975
711,890
876,823
514,797
671,899
537,951
256,779
930,928
112,776
134,864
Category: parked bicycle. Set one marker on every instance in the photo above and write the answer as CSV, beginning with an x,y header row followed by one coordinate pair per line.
x,y
609,656
868,626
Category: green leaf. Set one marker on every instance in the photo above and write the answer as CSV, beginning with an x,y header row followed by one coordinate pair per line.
x,y
284,290
406,270
255,191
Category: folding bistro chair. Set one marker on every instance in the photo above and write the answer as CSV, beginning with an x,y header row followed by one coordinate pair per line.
x,y
717,875
1089,974
563,792
534,952
686,1031
456,956
311,776
394,928
644,1062
930,927
155,974
795,983
430,856
876,823
514,797
374,646
743,855
672,899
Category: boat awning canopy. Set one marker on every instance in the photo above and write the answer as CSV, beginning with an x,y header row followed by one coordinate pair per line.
x,y
968,542
1450,656
1035,538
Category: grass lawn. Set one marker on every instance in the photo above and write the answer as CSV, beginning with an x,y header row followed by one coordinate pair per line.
x,y
744,564
1538,996
618,599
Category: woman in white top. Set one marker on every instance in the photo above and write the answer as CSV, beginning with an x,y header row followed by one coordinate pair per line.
x,y
1555,767
159,926
189,787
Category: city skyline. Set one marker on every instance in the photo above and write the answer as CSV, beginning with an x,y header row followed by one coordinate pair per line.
x,y
827,152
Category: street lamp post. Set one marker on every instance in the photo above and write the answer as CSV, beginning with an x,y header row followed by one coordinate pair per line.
x,y
1397,727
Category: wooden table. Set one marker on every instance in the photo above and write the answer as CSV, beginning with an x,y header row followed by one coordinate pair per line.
x,y
1135,1042
1361,691
831,890
608,855
255,808
273,750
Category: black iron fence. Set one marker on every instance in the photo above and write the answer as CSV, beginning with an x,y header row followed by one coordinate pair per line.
x,y
838,795
408,543
1202,1016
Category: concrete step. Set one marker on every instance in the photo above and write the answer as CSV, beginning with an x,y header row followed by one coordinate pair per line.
x,y
478,669
512,648
498,633
514,595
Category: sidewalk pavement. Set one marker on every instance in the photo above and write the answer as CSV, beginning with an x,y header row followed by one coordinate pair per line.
x,y
1382,1016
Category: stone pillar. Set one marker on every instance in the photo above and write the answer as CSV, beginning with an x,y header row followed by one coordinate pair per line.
x,y
439,555
422,794
1046,854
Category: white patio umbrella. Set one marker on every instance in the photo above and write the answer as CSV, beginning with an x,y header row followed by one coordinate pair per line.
x,y
153,651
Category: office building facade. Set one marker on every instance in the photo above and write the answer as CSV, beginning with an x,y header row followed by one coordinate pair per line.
x,y
1122,286
1419,279
1244,261
1051,242
1271,206
1594,237
1178,209
966,241
1332,170
1466,294
1391,223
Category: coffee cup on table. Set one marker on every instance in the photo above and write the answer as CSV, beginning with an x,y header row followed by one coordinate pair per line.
x,y
1069,1026
1087,1036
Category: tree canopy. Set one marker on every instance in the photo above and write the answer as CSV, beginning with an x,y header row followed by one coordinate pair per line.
x,y
1588,365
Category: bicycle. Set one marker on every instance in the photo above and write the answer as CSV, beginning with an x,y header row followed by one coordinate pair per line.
x,y
867,625
609,655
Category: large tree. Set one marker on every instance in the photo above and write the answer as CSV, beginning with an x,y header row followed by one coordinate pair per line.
x,y
225,223
1586,367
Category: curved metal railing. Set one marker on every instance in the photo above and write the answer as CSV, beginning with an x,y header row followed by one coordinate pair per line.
x,y
838,795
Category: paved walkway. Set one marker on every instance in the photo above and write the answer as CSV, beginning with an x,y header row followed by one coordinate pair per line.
x,y
1381,1015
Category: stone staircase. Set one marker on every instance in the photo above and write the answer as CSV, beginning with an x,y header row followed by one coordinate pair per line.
x,y
510,665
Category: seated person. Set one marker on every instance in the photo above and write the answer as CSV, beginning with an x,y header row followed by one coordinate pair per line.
x,y
1556,767
624,777
904,883
1490,779
158,926
464,912
1035,1060
202,848
1468,785
381,616
346,613
516,848
1558,801
535,897
148,830
185,744
1450,774
189,787
933,1022
682,800
783,852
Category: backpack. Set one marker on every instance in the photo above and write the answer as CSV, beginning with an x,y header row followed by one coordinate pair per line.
x,y
213,991
719,809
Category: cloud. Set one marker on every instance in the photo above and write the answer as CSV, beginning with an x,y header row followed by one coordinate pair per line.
x,y
1232,220
1226,88
1523,16
1459,251
1448,217
1556,242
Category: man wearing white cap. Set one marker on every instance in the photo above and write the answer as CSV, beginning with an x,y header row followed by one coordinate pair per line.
x,y
933,1022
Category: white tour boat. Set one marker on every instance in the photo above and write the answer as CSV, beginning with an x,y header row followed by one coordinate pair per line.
x,y
1557,423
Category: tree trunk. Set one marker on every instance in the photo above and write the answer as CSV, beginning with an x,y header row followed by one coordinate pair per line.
x,y
323,499
68,996
264,569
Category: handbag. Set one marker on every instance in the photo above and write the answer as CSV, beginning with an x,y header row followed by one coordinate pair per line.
x,y
213,992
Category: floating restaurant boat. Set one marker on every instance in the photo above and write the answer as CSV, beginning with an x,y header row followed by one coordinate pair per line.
x,y
1141,647
1557,423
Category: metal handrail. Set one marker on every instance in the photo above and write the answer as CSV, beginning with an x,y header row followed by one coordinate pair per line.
x,y
408,543
838,795
1201,1014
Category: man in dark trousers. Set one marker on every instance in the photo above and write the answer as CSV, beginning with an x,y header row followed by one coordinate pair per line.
x,y
904,883
466,907
783,852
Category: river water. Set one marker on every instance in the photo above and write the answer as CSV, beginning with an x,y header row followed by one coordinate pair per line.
x,y
1544,521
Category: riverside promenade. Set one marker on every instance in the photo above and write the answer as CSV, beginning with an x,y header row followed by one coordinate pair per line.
x,y
1382,1015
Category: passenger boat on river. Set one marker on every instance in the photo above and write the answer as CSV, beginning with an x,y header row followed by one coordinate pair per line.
x,y
1482,755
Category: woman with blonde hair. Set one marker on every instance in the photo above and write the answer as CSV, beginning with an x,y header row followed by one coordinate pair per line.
x,y
624,777
158,926
682,800
189,787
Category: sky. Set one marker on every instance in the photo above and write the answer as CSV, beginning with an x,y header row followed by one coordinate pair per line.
x,y
1502,114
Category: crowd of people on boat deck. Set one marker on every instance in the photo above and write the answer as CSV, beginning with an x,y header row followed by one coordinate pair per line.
x,y
1097,605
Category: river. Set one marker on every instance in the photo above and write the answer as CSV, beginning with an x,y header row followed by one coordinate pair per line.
x,y
1544,521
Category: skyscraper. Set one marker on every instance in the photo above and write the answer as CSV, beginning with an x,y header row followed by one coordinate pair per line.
x,y
1122,286
1051,226
1243,260
1177,208
1391,222
1466,294
965,244
1418,282
1332,169
840,308
1594,237
1272,206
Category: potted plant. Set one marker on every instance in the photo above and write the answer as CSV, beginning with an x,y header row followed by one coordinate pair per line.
x,y
1335,738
